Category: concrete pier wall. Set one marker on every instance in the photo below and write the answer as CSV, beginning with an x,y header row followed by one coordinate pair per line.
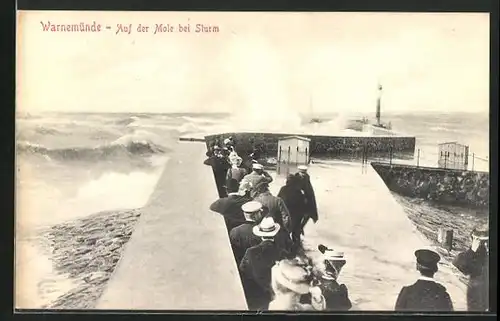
x,y
179,256
267,143
447,186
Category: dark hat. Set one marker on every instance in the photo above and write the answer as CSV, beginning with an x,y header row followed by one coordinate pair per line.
x,y
427,258
481,232
322,248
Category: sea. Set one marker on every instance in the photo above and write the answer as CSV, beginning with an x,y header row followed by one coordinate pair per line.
x,y
70,165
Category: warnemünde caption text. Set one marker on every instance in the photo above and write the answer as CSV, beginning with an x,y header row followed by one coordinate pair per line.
x,y
120,28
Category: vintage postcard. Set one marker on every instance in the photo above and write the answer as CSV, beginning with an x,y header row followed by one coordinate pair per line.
x,y
252,161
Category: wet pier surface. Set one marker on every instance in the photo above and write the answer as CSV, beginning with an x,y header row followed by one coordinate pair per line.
x,y
359,216
179,256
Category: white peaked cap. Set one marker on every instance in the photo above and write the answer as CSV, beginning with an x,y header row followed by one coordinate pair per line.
x,y
302,168
251,207
257,166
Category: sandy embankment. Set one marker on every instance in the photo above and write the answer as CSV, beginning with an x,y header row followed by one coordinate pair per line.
x,y
359,216
84,254
428,219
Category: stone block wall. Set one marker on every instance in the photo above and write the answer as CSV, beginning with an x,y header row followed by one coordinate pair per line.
x,y
446,186
267,143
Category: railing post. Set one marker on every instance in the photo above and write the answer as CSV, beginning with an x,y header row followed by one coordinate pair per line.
x,y
278,170
418,157
473,157
288,162
445,238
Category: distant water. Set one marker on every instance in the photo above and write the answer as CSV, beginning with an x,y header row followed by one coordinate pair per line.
x,y
73,165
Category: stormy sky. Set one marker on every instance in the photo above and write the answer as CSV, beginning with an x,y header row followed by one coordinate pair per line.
x,y
256,63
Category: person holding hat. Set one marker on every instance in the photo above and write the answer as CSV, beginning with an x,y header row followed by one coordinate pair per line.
x,y
336,295
257,175
230,207
242,236
474,263
304,181
425,294
255,267
290,281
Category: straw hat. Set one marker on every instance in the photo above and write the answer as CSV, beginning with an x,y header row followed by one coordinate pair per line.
x,y
291,276
266,228
302,168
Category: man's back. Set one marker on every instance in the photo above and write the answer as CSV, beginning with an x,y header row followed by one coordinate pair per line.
x,y
424,295
230,208
259,260
276,208
242,238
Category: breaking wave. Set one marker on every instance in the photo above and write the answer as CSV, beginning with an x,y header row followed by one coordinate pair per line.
x,y
117,149
442,129
126,121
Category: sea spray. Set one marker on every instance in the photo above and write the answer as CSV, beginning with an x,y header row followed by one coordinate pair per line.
x,y
37,283
50,205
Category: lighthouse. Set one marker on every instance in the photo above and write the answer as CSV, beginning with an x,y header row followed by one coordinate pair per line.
x,y
377,114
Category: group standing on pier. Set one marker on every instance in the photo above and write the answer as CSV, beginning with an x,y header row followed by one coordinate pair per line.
x,y
265,233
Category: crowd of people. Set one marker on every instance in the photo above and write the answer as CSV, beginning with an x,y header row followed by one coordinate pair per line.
x,y
265,232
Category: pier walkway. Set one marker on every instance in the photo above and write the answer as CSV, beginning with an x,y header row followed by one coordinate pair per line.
x,y
359,216
179,256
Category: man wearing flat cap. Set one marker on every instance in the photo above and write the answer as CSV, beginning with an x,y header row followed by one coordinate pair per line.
x,y
425,294
474,263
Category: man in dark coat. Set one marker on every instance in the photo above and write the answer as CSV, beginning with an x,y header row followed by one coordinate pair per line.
x,y
230,206
295,202
255,267
242,237
219,165
308,191
474,263
274,205
425,294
